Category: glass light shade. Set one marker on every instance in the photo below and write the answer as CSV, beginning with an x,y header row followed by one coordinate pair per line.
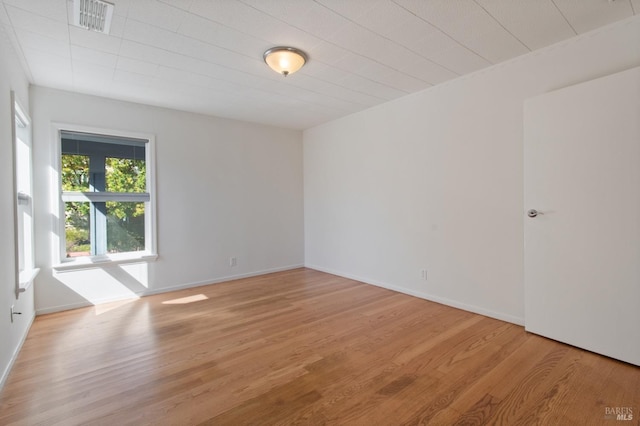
x,y
285,60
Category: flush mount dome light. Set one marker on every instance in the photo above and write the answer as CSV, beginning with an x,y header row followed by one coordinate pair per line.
x,y
285,60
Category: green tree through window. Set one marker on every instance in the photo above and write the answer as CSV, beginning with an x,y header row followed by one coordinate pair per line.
x,y
75,177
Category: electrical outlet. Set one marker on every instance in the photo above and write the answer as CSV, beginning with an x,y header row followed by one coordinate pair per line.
x,y
233,261
14,312
423,274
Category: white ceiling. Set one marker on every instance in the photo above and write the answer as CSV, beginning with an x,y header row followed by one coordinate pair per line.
x,y
206,55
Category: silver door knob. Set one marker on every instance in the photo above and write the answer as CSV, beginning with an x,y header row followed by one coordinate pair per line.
x,y
533,213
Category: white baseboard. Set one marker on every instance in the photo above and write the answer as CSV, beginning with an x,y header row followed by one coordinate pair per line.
x,y
66,307
16,351
433,298
222,279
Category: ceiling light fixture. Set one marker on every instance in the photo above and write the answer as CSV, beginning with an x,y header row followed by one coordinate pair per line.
x,y
94,15
285,60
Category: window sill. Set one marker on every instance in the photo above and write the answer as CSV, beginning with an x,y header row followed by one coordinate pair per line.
x,y
101,261
26,278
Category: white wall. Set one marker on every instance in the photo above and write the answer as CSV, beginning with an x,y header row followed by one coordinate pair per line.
x,y
224,188
11,334
435,180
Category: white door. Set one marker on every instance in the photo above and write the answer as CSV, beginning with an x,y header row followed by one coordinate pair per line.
x,y
582,253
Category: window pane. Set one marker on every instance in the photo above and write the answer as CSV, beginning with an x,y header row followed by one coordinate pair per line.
x,y
125,226
22,217
77,225
25,215
105,193
125,175
23,166
75,172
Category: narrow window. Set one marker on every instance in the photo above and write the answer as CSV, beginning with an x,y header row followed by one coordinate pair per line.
x,y
105,193
24,226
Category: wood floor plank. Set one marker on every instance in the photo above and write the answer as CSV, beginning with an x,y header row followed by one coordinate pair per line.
x,y
302,347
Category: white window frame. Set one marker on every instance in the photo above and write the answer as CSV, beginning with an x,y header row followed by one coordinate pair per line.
x,y
150,253
24,235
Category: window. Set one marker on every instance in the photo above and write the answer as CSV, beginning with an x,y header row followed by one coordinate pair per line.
x,y
24,235
105,182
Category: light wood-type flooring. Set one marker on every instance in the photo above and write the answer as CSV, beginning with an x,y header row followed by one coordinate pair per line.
x,y
302,347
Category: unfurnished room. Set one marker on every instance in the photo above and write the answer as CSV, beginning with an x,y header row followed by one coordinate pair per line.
x,y
319,212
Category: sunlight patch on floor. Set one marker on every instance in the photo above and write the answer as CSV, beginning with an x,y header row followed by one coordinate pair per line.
x,y
185,300
103,308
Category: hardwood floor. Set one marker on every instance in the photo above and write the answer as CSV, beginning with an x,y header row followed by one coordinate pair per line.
x,y
303,347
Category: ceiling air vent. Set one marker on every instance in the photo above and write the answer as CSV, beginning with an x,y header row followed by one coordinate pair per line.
x,y
94,15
